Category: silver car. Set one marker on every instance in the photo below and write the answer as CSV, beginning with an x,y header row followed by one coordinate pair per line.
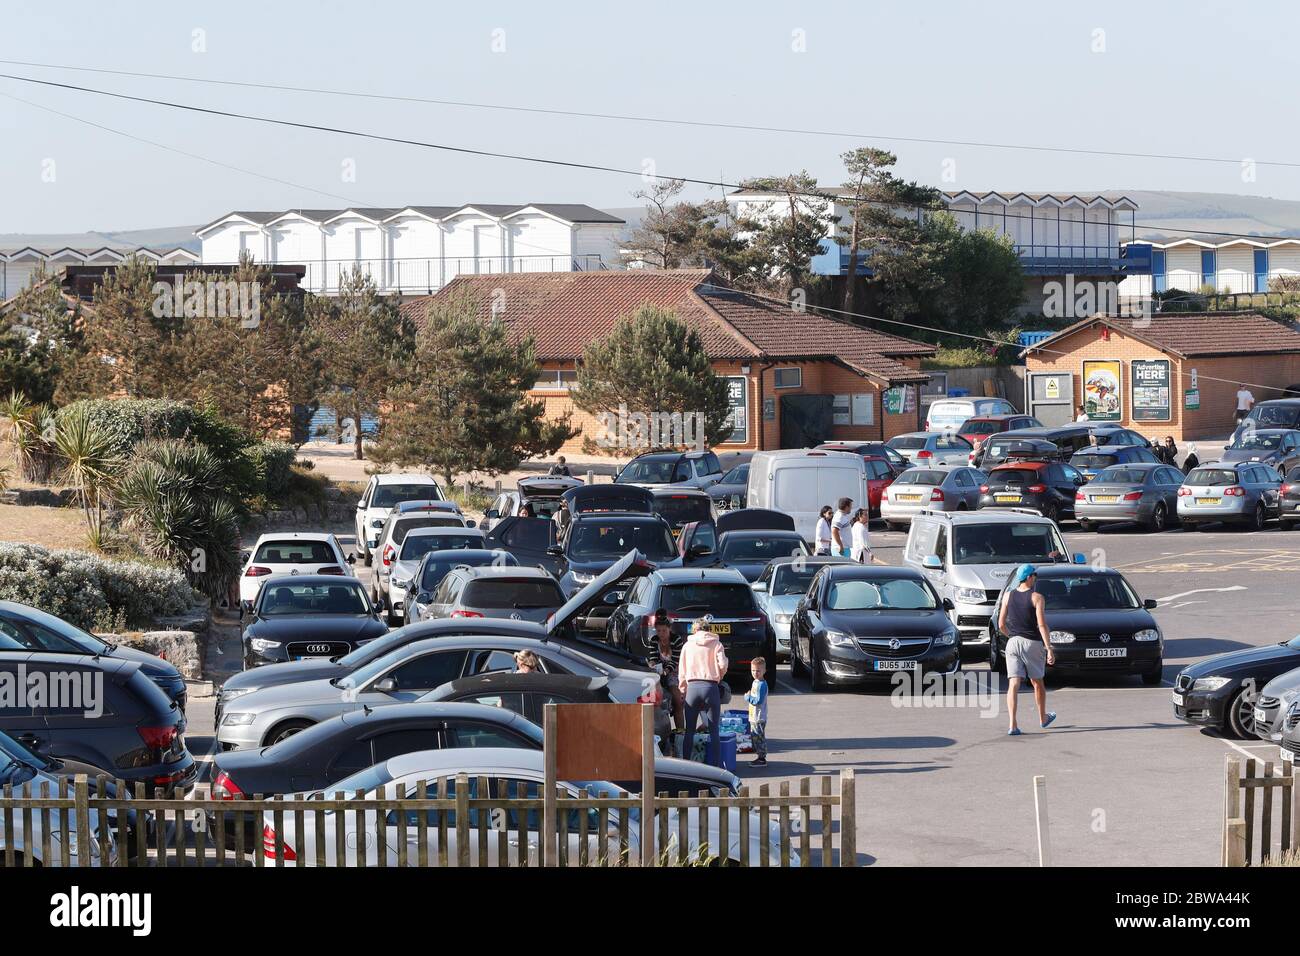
x,y
520,594
266,716
1272,703
932,448
938,489
1141,491
780,588
1245,493
417,543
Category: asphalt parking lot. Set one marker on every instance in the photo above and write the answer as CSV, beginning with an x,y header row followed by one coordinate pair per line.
x,y
1128,784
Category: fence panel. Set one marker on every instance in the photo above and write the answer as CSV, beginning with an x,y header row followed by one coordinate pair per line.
x,y
1257,830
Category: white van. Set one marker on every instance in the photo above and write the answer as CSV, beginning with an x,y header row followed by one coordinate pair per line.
x,y
951,413
799,481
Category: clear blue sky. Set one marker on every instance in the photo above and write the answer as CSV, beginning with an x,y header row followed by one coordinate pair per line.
x,y
1191,78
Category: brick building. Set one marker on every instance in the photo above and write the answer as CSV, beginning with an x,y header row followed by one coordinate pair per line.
x,y
1176,374
797,378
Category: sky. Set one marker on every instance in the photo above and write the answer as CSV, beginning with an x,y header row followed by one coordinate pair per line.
x,y
1188,79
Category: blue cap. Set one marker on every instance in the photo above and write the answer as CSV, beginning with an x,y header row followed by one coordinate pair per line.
x,y
1024,573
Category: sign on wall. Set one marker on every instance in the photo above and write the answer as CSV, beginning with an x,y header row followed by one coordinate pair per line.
x,y
840,413
1150,385
738,399
1052,388
864,409
769,409
1102,398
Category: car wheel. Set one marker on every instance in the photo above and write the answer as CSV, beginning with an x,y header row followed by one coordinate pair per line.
x,y
997,662
1051,512
1257,519
1153,677
1199,526
1086,525
1240,716
816,680
895,525
285,730
1159,518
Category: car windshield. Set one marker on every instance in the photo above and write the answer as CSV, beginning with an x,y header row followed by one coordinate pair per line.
x,y
364,780
1211,476
284,599
1087,592
649,471
737,476
907,442
1256,440
1122,476
17,763
294,552
679,509
374,649
887,594
45,632
982,428
613,539
404,527
1093,461
417,546
387,496
1006,543
758,548
500,593
721,599
1278,416
921,478
792,578
439,563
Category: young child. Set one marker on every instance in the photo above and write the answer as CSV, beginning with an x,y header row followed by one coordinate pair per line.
x,y
757,700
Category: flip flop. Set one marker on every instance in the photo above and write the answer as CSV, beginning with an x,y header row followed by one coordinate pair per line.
x,y
1013,732
1051,716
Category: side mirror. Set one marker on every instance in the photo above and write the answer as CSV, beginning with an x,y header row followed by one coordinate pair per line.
x,y
492,513
1150,604
759,586
948,605
385,686
932,562
555,551
245,556
1080,558
361,504
351,558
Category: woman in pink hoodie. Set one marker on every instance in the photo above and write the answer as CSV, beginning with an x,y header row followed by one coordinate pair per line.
x,y
702,666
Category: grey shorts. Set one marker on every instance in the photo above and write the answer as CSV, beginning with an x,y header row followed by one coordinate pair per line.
x,y
1026,657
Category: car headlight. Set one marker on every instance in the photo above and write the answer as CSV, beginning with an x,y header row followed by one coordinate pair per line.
x,y
262,644
1210,683
840,639
947,638
1061,637
581,578
1147,634
234,692
237,720
783,618
971,595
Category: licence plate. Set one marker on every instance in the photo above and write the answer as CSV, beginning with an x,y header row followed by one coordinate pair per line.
x,y
1105,499
897,665
721,628
1208,501
1260,715
1289,757
907,497
1178,700
1106,652
1006,497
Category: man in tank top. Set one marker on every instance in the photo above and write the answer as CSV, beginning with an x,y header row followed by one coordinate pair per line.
x,y
1029,649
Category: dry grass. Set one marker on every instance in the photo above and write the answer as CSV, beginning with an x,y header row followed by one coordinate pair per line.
x,y
48,527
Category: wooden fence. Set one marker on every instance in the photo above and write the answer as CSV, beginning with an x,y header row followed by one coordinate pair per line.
x,y
447,822
1261,811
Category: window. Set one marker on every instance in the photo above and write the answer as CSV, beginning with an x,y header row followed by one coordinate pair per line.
x,y
787,378
711,464
556,378
417,546
1209,268
389,496
721,600
534,534
1159,281
295,552
486,662
518,593
398,742
1261,270
356,757
486,735
430,671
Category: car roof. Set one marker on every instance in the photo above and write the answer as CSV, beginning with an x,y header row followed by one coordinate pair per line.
x,y
313,579
762,532
621,516
1104,449
667,455
117,666
516,571
405,478
442,532
501,641
818,559
433,709
1144,465
699,575
487,553
680,493
1000,417
1273,431
1279,401
1074,570
865,572
1018,465
294,536
982,517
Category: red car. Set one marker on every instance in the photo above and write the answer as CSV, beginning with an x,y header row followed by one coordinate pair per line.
x,y
980,427
880,475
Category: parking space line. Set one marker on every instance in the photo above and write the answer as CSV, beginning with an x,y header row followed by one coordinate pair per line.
x,y
790,687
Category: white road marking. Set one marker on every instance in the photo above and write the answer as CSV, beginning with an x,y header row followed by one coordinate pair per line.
x,y
1174,607
790,687
1243,751
1174,597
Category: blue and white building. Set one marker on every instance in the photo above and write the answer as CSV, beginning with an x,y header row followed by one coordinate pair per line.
x,y
1226,266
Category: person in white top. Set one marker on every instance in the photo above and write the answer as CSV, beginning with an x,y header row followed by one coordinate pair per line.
x,y
1245,401
822,539
858,533
1083,414
840,528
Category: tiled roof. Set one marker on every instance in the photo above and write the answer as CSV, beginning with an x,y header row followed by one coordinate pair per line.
x,y
566,311
1191,335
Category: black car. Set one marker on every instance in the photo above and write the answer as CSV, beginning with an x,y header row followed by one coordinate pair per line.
x,y
1048,487
98,714
1001,449
690,593
1097,624
530,541
24,628
864,623
749,551
1220,691
308,615
1274,413
523,694
1288,499
730,490
681,506
615,497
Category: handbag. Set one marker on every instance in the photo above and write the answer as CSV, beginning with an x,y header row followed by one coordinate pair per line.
x,y
724,693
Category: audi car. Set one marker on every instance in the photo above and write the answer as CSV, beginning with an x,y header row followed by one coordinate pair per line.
x,y
308,615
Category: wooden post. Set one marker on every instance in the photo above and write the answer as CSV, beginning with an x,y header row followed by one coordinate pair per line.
x,y
81,800
591,477
1231,799
848,820
647,833
1234,853
1040,812
547,835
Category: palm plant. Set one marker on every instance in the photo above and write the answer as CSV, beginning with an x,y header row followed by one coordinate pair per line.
x,y
89,466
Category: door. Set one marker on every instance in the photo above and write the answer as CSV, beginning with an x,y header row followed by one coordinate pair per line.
x,y
1049,397
528,539
18,718
806,420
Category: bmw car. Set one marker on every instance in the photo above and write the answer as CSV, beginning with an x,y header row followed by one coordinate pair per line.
x,y
1221,692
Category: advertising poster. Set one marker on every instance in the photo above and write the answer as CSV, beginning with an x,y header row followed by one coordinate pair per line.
x,y
1102,398
1150,385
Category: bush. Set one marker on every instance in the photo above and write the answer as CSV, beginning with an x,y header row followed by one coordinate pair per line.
x,y
91,591
272,463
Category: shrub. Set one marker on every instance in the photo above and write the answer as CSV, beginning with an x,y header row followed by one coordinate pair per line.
x,y
89,590
272,463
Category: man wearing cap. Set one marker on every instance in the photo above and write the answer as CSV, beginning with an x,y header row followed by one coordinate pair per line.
x,y
1029,648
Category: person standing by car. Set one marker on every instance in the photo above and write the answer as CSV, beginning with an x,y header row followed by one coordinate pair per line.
x,y
840,528
560,468
757,701
663,659
562,517
703,666
860,541
1167,451
822,537
1029,649
526,510
1082,416
1245,401
1191,461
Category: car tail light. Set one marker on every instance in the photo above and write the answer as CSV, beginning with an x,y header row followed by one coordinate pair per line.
x,y
1183,491
1236,491
984,489
256,571
223,788
460,613
158,738
936,494
271,842
925,453
330,569
1133,496
1286,489
1080,496
387,556
1036,489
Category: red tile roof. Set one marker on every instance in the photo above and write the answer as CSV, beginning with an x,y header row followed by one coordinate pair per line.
x,y
565,311
1199,334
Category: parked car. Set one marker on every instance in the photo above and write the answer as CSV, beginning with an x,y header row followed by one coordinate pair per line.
x,y
1097,624
1067,439
798,482
1220,691
1001,449
415,546
611,497
968,555
405,673
1289,749
951,413
870,449
1273,413
938,489
382,494
561,629
24,628
525,695
728,492
749,551
24,833
687,594
1048,487
108,718
1288,503
1241,493
520,594
685,469
400,521
308,615
1094,459
864,623
1272,705
932,448
521,773
291,552
781,587
679,506
435,566
1145,493
1279,447
542,492
698,542
979,428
